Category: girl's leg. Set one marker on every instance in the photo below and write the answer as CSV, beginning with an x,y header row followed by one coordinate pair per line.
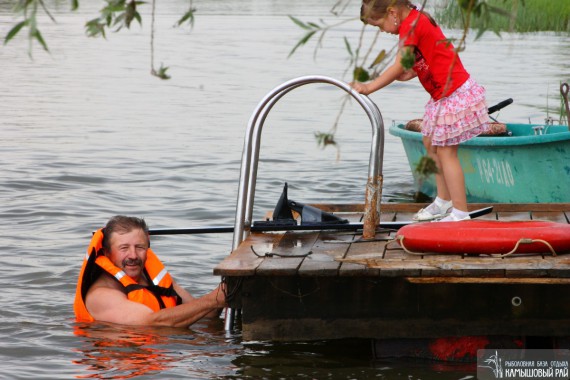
x,y
432,151
453,175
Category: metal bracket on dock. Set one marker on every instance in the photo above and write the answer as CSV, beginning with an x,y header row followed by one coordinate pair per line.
x,y
250,158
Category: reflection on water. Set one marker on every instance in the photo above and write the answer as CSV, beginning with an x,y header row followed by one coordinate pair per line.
x,y
108,351
120,353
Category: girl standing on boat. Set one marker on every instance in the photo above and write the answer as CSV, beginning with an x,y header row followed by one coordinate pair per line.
x,y
457,110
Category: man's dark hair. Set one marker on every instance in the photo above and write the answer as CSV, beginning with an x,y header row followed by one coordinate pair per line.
x,y
122,224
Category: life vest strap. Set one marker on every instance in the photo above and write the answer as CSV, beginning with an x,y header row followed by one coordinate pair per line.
x,y
158,292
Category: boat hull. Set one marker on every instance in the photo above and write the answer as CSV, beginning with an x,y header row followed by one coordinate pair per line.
x,y
522,168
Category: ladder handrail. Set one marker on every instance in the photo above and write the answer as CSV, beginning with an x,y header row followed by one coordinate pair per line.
x,y
250,155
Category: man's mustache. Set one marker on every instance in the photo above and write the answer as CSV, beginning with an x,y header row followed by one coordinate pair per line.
x,y
136,261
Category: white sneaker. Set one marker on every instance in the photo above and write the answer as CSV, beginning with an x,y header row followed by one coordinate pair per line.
x,y
453,218
433,211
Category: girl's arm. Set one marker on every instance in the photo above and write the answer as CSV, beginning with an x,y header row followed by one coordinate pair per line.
x,y
392,73
407,75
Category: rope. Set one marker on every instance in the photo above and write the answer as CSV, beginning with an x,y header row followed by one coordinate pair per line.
x,y
529,241
400,240
271,254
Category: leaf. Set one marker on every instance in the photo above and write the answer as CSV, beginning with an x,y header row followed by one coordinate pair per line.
x,y
161,73
379,58
426,166
324,139
38,36
94,28
303,41
188,16
12,33
500,11
74,5
119,19
130,12
348,48
299,23
408,59
360,74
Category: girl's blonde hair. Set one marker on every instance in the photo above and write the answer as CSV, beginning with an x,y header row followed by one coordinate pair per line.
x,y
377,9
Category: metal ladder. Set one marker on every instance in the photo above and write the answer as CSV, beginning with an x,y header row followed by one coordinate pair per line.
x,y
250,158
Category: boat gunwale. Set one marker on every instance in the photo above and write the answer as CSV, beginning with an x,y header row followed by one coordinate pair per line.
x,y
399,131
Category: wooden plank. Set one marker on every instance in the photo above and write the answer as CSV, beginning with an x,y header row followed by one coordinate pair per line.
x,y
288,306
560,267
242,261
445,265
558,217
387,216
327,248
513,215
361,249
490,280
285,258
414,207
303,329
523,207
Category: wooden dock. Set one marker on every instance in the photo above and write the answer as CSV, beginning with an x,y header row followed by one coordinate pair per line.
x,y
294,286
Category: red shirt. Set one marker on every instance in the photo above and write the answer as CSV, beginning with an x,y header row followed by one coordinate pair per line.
x,y
434,56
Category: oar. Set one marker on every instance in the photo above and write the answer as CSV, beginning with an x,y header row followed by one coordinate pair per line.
x,y
499,106
302,227
564,89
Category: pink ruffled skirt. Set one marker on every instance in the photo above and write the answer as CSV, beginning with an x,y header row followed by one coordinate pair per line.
x,y
458,117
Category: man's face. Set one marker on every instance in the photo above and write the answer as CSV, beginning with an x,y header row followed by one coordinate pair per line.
x,y
128,252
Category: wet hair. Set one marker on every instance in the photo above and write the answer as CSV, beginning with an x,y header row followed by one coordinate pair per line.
x,y
122,224
377,9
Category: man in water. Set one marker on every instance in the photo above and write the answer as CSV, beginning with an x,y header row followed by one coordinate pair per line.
x,y
122,281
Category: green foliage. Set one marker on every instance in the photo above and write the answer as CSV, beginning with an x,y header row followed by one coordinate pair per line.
x,y
360,74
325,139
29,10
161,72
116,14
14,31
425,167
520,16
408,59
379,58
188,17
311,29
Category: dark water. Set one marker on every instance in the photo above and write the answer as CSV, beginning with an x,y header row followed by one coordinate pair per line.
x,y
87,133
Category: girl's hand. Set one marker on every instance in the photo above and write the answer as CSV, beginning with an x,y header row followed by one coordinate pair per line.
x,y
362,88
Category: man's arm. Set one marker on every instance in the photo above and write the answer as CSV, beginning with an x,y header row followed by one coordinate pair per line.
x,y
187,297
111,305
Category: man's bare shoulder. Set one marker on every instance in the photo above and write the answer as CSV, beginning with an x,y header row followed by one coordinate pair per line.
x,y
105,281
106,301
103,291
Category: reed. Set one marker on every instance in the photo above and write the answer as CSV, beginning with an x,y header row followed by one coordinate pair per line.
x,y
526,16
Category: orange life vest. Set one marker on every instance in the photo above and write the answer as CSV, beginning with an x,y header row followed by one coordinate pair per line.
x,y
158,295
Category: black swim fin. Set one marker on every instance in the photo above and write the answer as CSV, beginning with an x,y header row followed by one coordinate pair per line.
x,y
311,215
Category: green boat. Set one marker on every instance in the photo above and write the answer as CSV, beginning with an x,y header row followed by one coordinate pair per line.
x,y
528,164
